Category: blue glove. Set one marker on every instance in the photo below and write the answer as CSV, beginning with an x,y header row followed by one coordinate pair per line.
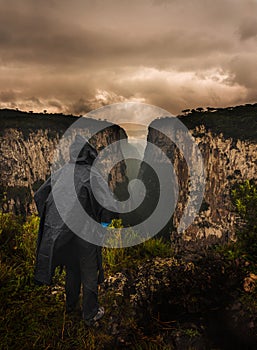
x,y
105,224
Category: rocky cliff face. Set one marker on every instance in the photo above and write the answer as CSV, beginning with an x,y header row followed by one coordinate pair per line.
x,y
227,160
27,146
226,140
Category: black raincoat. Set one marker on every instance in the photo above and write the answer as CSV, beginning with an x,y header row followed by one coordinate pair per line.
x,y
54,235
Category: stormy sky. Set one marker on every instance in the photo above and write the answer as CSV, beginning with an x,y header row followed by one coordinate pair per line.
x,y
75,56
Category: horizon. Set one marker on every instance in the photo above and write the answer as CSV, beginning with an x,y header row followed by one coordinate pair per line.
x,y
136,131
75,57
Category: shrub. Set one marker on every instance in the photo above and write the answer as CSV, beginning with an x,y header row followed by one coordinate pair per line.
x,y
116,259
10,228
245,200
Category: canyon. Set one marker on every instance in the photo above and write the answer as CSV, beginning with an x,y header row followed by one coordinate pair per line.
x,y
226,138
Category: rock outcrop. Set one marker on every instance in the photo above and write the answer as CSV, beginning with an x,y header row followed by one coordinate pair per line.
x,y
27,147
227,160
226,138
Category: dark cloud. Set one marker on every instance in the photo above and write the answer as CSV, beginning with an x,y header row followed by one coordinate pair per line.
x,y
8,96
176,54
56,104
248,29
102,98
243,68
81,106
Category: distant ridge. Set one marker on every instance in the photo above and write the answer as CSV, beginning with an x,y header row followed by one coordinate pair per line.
x,y
238,122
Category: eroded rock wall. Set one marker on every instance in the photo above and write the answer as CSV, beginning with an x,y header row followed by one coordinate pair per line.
x,y
226,162
27,152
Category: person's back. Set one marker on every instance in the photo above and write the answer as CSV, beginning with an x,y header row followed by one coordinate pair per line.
x,y
58,244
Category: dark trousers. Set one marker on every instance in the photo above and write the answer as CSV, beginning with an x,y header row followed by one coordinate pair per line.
x,y
81,264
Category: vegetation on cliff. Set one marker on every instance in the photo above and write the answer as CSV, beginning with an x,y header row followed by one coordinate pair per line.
x,y
238,122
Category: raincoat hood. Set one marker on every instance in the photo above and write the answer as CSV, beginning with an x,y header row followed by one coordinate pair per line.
x,y
82,152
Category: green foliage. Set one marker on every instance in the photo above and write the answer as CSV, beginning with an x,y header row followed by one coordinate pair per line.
x,y
116,259
26,242
33,317
18,238
9,225
10,228
130,257
245,200
116,223
190,332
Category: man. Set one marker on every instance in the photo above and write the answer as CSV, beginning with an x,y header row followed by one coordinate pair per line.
x,y
59,245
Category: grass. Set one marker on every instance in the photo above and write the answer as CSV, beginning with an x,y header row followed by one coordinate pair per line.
x,y
33,317
116,260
